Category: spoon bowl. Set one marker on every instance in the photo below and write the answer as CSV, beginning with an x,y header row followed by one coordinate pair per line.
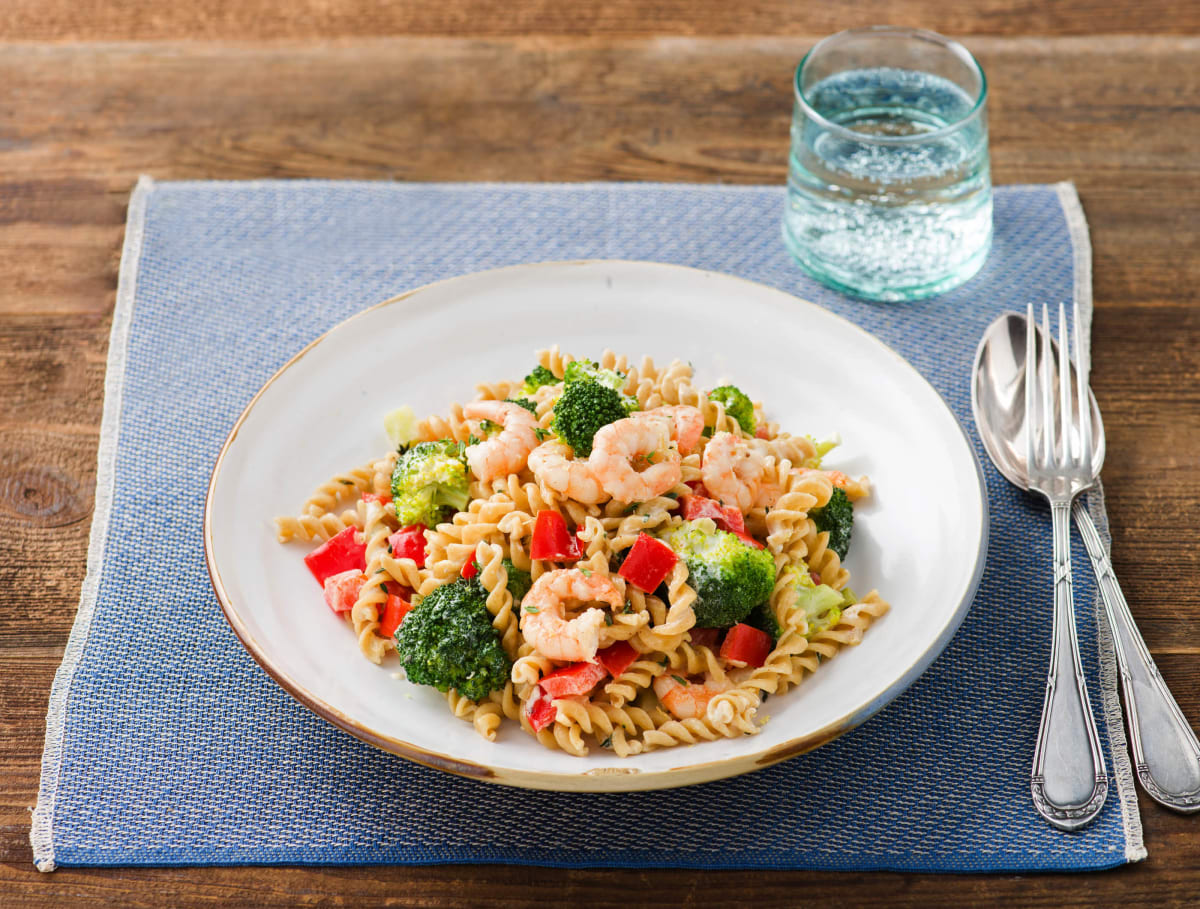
x,y
998,399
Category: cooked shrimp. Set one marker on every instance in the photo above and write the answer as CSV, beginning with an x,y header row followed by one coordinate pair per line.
x,y
687,423
544,614
735,472
506,452
621,447
571,477
685,699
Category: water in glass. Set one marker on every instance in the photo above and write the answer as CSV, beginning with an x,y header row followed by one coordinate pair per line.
x,y
873,207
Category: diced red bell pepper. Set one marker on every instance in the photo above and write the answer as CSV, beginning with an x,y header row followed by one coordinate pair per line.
x,y
551,539
395,608
342,552
398,589
617,658
816,578
540,710
725,517
341,590
409,543
578,678
648,563
746,646
697,487
375,497
470,568
705,637
761,431
749,540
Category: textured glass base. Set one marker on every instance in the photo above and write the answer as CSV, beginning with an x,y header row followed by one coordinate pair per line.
x,y
858,285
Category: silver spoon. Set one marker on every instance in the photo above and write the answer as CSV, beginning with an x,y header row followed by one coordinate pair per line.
x,y
1165,750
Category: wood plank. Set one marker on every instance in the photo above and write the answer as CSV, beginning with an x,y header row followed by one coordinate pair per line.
x,y
100,20
551,109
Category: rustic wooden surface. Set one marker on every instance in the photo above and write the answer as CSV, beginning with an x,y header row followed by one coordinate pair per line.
x,y
95,93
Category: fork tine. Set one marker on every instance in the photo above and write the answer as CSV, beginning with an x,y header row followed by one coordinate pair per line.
x,y
1064,387
1047,391
1031,422
1085,404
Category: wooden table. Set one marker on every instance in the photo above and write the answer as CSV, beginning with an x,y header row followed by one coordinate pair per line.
x,y
546,90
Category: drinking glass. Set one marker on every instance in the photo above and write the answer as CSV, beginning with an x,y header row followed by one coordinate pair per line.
x,y
889,193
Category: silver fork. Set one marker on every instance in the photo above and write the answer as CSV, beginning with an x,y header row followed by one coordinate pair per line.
x,y
1069,782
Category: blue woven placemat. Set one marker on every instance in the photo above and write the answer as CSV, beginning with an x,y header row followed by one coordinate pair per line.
x,y
166,744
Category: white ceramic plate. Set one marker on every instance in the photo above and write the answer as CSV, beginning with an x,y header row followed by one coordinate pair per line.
x,y
921,540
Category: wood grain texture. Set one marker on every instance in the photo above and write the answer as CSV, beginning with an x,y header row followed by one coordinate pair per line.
x,y
101,20
1119,115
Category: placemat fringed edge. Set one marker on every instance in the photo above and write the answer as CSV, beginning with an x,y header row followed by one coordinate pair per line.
x,y
41,833
1122,768
1131,820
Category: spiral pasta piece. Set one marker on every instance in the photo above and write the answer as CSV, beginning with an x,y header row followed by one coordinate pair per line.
x,y
308,527
668,634
338,488
364,615
494,577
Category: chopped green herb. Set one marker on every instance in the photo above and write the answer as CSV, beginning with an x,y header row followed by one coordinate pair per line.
x,y
608,618
671,495
487,427
531,609
664,661
523,402
632,507
346,482
680,680
586,572
607,743
542,434
473,440
628,608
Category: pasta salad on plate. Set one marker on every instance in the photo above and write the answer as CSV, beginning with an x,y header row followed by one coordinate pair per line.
x,y
602,553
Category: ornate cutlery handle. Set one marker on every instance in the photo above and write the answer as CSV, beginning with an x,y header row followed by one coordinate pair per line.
x,y
1069,782
1165,750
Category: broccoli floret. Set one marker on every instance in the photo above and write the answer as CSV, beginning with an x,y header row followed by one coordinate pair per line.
x,y
448,641
539,377
523,402
822,605
838,518
737,405
590,369
730,577
429,483
519,582
763,618
584,407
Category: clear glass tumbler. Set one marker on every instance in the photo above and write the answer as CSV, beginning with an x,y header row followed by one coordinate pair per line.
x,y
889,192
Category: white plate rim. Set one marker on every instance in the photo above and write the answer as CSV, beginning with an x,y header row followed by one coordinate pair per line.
x,y
602,779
